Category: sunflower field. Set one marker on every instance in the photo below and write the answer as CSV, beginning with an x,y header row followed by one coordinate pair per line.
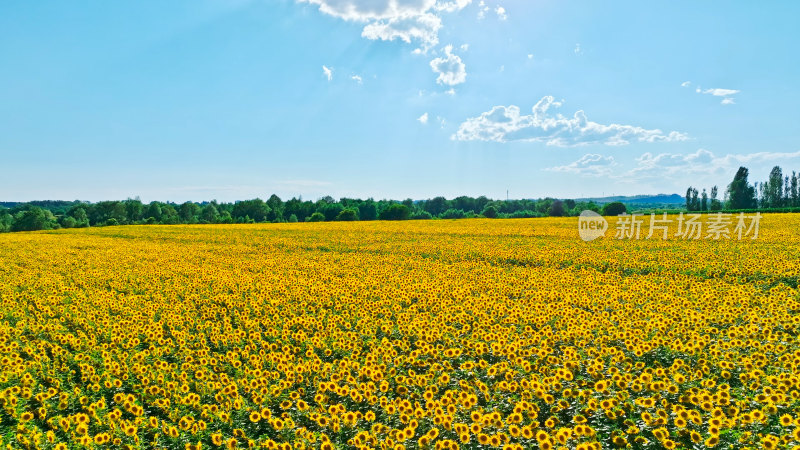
x,y
467,334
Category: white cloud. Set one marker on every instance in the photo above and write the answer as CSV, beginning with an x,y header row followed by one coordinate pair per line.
x,y
451,6
578,50
450,68
717,92
482,10
530,55
590,165
327,72
672,166
357,79
686,84
501,13
406,20
721,92
423,28
423,119
450,91
464,47
505,123
701,161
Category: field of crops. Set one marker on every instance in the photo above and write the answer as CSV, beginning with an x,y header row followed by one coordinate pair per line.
x,y
420,334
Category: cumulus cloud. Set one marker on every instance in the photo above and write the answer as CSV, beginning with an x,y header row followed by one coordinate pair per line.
x,y
405,20
357,79
450,68
590,164
578,50
506,123
327,72
501,13
423,119
686,84
451,6
423,29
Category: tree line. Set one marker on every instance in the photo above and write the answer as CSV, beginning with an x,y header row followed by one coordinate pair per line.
x,y
45,215
777,192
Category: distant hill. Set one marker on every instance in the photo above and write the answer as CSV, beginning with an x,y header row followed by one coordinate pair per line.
x,y
659,199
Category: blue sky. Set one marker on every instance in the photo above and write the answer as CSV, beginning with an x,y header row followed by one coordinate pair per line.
x,y
233,99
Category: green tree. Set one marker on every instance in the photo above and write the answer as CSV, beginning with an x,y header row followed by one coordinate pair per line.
x,y
210,213
34,219
740,194
276,208
436,205
169,215
134,209
81,217
421,215
556,209
395,211
489,212
367,210
6,220
292,218
256,209
704,201
188,212
316,217
774,189
715,203
153,210
453,213
347,215
614,209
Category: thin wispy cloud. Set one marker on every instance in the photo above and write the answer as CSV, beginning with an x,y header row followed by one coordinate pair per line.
x,y
727,94
590,164
658,166
327,72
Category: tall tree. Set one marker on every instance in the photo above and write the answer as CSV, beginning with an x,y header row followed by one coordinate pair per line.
x,y
740,194
775,188
715,203
704,201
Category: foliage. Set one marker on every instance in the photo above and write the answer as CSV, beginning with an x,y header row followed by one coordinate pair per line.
x,y
347,215
614,209
395,212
